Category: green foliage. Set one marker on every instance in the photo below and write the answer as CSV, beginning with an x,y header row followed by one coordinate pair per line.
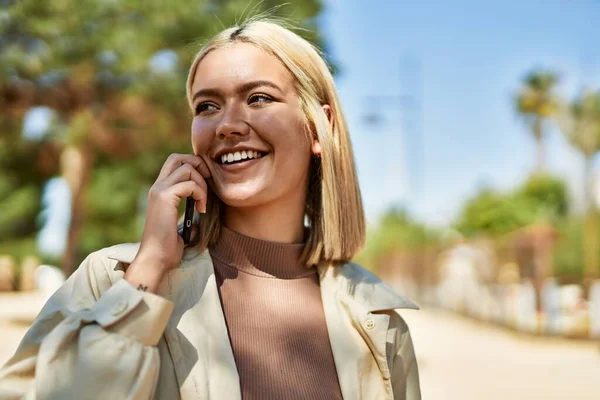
x,y
494,214
93,62
580,123
19,249
537,102
396,231
547,195
568,253
542,198
18,207
20,187
536,98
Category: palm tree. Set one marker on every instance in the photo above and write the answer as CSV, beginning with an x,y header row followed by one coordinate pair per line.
x,y
537,102
580,123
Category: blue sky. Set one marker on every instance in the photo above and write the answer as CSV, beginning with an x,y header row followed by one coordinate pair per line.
x,y
473,55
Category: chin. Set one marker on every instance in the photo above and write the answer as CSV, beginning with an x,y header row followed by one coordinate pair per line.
x,y
241,197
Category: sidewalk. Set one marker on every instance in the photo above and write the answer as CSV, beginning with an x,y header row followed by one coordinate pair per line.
x,y
17,312
463,359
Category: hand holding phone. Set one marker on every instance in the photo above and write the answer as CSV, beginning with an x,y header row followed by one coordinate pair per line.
x,y
181,177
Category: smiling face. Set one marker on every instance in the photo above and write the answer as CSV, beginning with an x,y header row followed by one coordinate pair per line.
x,y
245,102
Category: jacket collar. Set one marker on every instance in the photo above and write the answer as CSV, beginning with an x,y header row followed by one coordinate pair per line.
x,y
351,280
365,288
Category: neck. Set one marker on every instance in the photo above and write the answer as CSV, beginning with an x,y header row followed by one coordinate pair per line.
x,y
276,222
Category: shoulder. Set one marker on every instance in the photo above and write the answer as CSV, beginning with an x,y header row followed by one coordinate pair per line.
x,y
104,267
367,288
379,297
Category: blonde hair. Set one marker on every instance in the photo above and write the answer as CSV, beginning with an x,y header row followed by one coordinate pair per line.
x,y
334,207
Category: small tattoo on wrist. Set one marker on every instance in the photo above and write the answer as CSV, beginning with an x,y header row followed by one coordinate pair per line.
x,y
142,287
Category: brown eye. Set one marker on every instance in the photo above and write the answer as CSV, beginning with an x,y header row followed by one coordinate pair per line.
x,y
259,98
202,107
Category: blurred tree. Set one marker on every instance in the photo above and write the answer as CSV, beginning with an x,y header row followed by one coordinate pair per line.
x,y
580,123
541,198
529,214
492,213
537,102
396,231
547,195
113,73
23,171
567,261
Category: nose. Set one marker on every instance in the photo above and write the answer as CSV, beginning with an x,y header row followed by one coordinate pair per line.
x,y
232,123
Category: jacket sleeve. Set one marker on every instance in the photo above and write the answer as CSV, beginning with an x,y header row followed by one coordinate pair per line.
x,y
404,368
95,338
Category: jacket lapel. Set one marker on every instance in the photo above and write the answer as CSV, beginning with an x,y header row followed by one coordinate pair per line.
x,y
345,344
354,301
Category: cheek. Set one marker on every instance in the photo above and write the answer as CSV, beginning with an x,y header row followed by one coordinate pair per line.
x,y
201,136
283,130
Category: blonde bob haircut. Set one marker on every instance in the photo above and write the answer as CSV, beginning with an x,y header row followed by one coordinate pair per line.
x,y
334,210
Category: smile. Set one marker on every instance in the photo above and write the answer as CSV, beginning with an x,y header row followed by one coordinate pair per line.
x,y
228,163
240,156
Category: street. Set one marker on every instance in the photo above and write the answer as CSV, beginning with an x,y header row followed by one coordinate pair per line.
x,y
458,358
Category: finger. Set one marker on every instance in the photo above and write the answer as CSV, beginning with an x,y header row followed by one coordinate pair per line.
x,y
200,207
187,189
185,172
175,161
203,168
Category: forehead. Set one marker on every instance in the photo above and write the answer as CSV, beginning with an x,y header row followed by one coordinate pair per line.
x,y
235,64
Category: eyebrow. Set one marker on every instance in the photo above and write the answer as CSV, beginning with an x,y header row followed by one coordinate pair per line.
x,y
243,88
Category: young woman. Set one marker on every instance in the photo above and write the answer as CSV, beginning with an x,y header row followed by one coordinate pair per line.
x,y
265,304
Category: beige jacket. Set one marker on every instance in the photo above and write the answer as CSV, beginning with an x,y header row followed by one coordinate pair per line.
x,y
100,338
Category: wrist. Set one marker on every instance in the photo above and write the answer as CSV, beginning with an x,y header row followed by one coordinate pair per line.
x,y
156,260
145,276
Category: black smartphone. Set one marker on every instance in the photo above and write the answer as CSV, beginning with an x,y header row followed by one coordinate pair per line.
x,y
187,219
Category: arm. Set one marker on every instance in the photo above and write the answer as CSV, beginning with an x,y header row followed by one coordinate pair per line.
x,y
404,368
93,338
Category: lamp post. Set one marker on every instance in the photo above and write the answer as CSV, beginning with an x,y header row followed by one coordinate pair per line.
x,y
408,103
410,131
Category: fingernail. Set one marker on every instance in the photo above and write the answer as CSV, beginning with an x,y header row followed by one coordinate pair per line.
x,y
204,209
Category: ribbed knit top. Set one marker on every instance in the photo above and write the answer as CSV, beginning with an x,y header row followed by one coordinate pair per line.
x,y
275,319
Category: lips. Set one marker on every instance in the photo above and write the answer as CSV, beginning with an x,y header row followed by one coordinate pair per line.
x,y
240,150
240,165
239,156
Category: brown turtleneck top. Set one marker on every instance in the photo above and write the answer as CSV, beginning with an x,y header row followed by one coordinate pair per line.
x,y
274,315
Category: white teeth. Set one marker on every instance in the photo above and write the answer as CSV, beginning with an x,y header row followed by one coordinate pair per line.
x,y
240,155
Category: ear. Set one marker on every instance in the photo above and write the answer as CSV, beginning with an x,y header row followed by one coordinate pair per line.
x,y
316,146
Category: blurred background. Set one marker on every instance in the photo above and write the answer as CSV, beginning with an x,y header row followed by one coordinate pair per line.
x,y
475,126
